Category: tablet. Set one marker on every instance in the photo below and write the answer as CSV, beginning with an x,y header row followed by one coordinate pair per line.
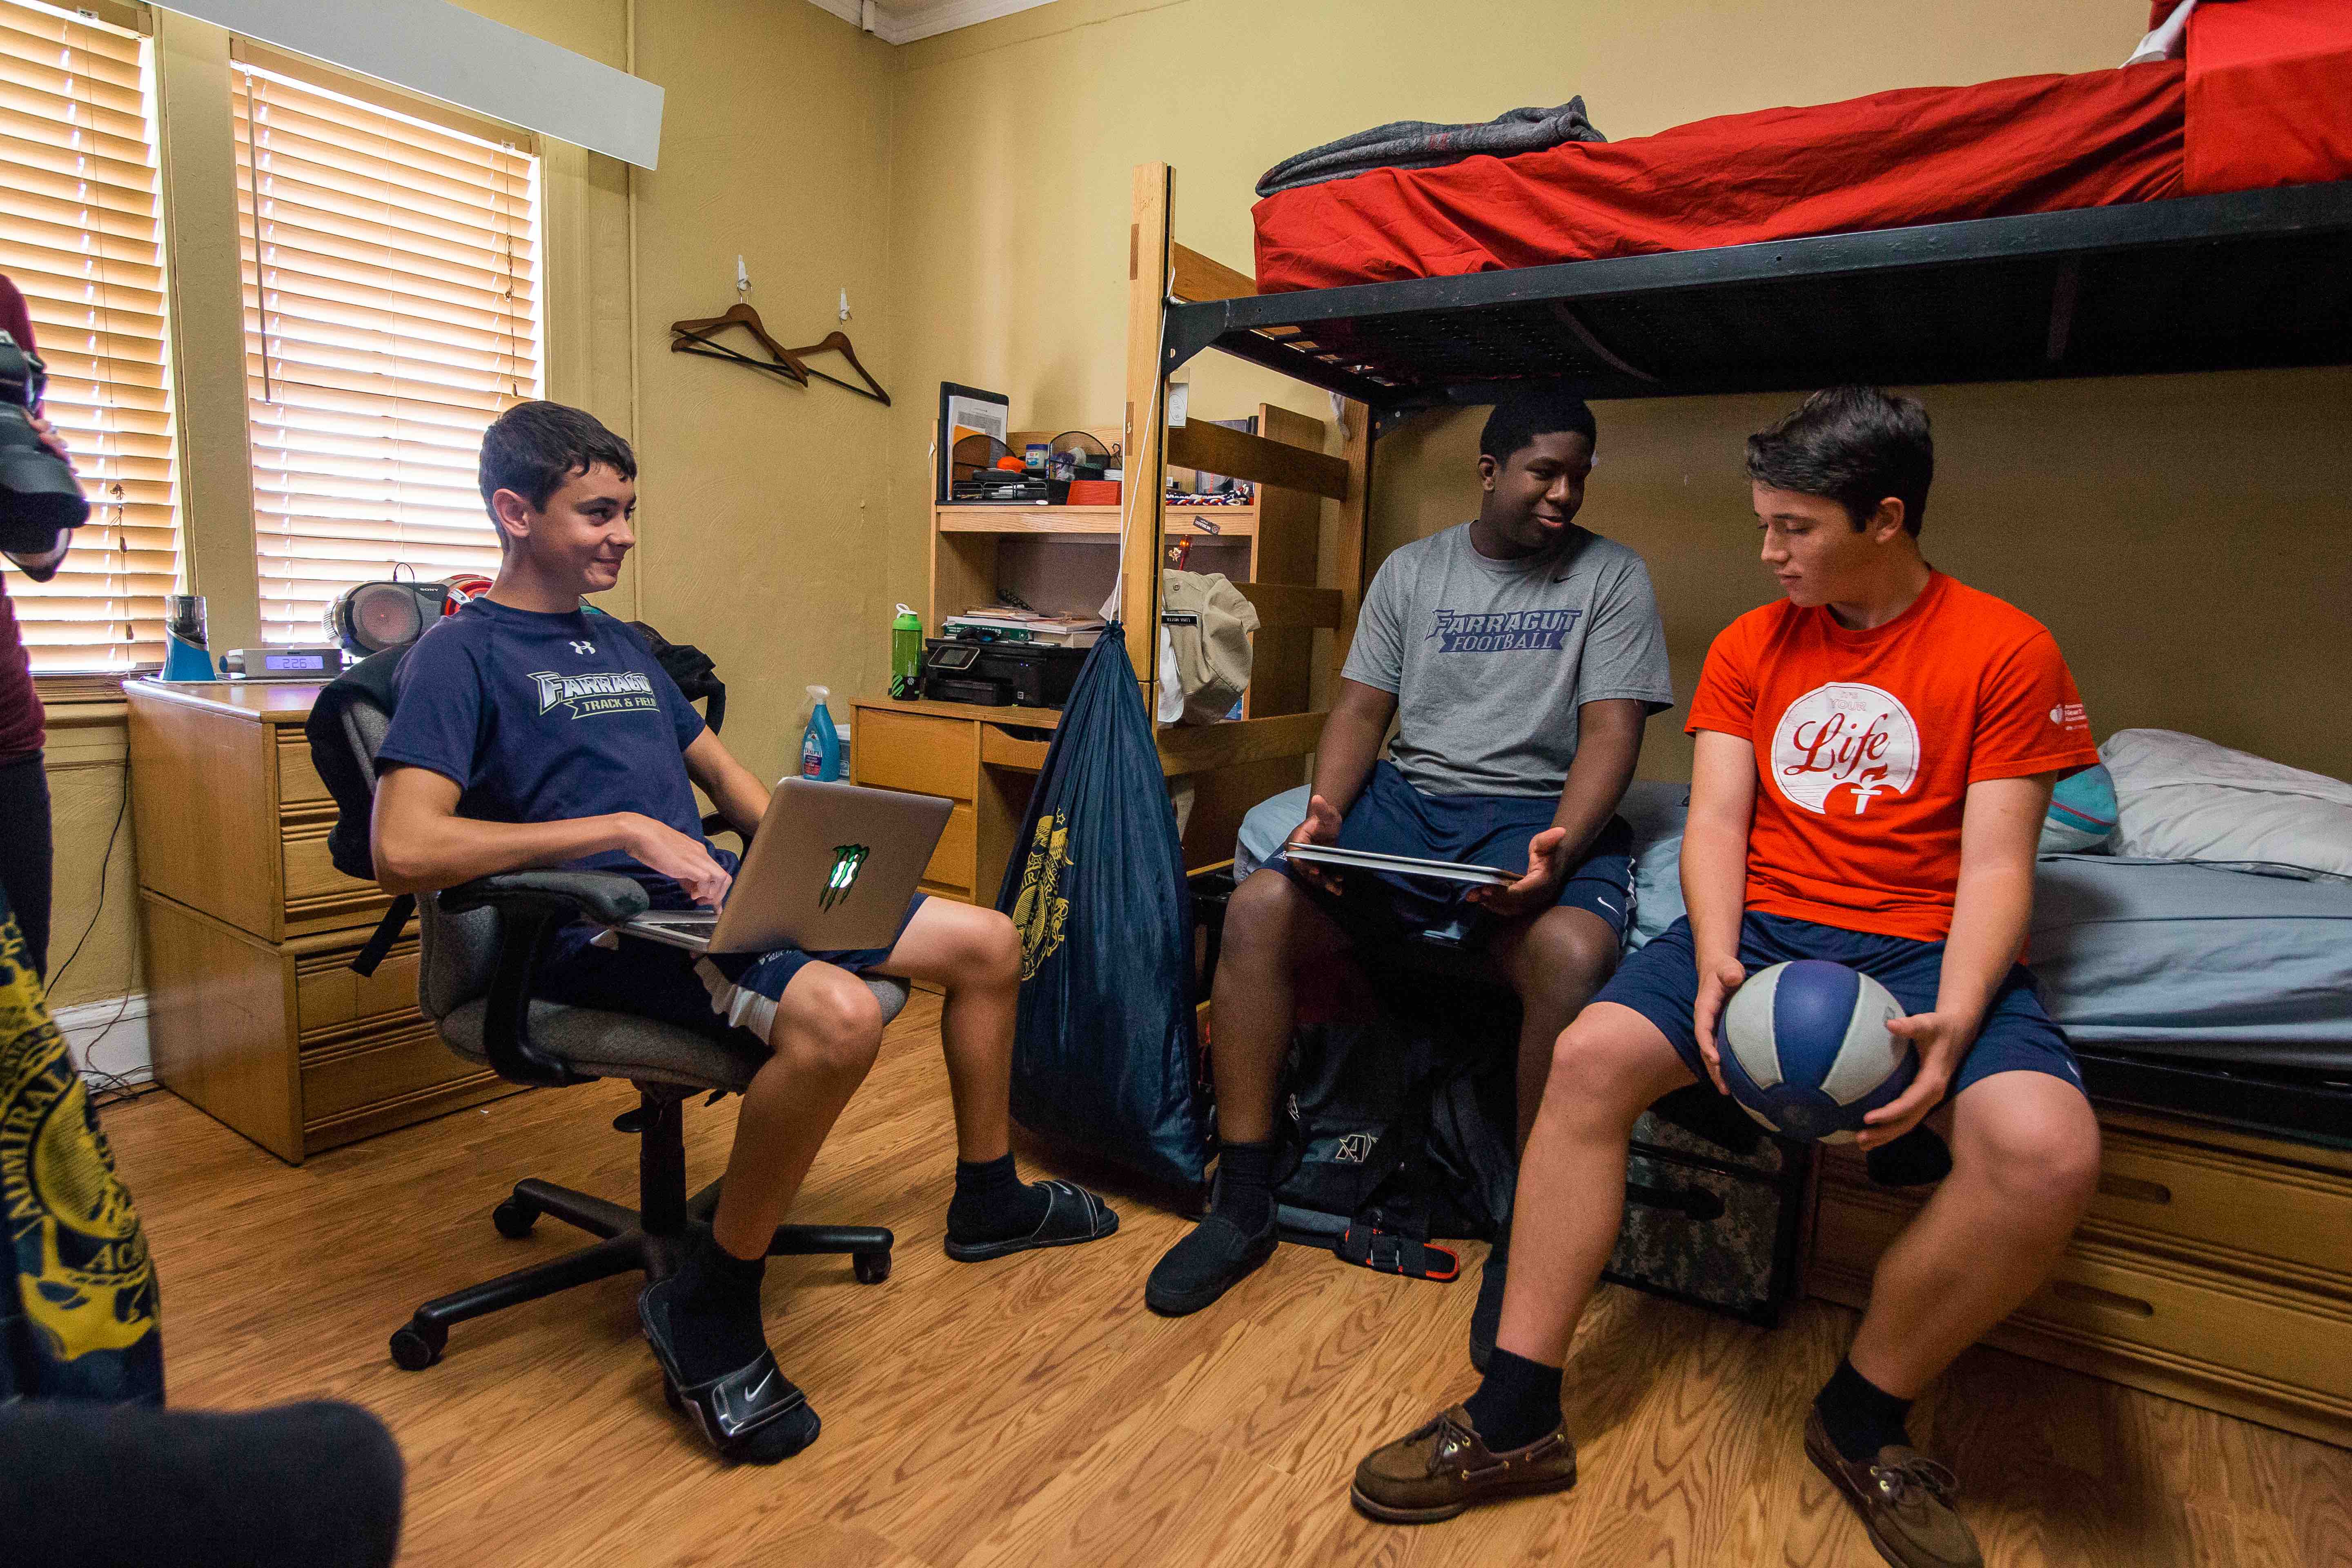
x,y
1401,864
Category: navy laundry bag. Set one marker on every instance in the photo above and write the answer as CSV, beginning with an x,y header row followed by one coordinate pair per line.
x,y
1104,1045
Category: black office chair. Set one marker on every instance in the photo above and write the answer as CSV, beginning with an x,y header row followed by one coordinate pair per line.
x,y
480,947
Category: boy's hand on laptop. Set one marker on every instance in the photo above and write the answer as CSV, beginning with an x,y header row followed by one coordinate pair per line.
x,y
1322,826
1717,982
1540,889
661,849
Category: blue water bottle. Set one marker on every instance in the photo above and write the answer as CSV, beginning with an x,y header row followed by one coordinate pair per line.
x,y
820,743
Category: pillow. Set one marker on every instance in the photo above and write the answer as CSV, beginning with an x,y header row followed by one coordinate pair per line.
x,y
2181,798
2082,815
1655,811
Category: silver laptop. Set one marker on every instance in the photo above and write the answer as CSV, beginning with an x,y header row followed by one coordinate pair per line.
x,y
831,868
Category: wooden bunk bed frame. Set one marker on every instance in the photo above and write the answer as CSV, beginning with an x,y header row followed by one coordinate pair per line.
x,y
2212,1267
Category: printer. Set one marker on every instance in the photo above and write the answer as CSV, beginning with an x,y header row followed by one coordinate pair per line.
x,y
999,674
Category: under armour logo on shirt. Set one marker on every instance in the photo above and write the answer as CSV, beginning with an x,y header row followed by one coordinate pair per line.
x,y
584,649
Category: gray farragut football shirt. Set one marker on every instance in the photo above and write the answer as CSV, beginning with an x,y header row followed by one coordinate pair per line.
x,y
1489,660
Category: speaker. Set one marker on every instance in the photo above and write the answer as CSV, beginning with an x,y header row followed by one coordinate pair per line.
x,y
374,616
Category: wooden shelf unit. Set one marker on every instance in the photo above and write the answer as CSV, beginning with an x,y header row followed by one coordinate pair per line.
x,y
985,759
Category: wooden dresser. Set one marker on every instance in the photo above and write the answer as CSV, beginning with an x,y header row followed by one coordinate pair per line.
x,y
2215,1267
253,1011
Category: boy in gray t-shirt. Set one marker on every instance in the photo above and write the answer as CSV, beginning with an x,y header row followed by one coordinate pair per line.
x,y
1521,657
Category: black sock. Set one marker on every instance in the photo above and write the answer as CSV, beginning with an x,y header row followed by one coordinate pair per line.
x,y
714,1312
1518,1403
1246,1184
1860,1417
992,1203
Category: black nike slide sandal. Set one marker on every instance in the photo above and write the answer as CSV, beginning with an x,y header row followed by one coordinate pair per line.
x,y
752,1414
1073,1215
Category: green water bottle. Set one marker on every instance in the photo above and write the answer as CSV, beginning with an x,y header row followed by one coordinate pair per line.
x,y
906,652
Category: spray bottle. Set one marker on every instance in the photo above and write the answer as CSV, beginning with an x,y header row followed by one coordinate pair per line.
x,y
820,743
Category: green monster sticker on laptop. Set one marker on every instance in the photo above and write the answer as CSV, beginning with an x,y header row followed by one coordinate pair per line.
x,y
848,859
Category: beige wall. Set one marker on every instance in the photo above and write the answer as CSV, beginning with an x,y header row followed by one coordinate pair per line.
x,y
2183,536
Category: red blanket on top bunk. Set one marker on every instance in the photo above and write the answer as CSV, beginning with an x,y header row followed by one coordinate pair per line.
x,y
1917,155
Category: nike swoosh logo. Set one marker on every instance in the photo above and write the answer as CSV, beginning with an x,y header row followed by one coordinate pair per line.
x,y
751,1397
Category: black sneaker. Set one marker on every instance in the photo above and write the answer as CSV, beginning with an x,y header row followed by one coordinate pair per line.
x,y
1486,1316
1217,1255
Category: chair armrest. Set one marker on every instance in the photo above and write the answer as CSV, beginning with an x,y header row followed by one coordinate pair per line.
x,y
530,906
606,897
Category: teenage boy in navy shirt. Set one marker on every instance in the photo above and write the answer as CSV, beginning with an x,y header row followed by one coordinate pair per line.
x,y
495,762
1875,750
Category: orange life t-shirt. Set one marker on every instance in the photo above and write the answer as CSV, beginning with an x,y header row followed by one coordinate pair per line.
x,y
1866,742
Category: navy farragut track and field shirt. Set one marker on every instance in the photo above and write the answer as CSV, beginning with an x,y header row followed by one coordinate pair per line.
x,y
1489,660
545,718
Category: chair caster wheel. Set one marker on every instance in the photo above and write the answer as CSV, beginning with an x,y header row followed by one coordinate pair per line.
x,y
671,1396
416,1347
871,1267
514,1218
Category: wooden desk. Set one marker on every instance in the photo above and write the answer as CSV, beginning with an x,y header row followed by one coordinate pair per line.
x,y
986,760
253,1009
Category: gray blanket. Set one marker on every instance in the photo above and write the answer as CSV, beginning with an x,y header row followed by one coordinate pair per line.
x,y
1420,144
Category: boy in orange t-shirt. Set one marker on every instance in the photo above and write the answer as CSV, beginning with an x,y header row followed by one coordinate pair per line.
x,y
1875,755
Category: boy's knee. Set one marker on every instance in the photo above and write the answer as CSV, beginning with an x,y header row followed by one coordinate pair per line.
x,y
1259,915
996,947
2046,1164
1595,1078
830,1022
1564,954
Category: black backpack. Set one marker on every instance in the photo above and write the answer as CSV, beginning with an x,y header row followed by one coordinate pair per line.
x,y
347,723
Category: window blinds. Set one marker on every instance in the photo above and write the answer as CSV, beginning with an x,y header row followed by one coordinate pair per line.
x,y
392,312
80,237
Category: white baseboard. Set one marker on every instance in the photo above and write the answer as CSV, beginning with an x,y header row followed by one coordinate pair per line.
x,y
116,1026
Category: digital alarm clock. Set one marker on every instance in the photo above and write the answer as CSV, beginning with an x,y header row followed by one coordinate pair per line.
x,y
321,663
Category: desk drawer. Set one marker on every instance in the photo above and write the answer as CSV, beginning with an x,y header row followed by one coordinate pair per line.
x,y
318,897
2227,1210
298,782
2268,1339
917,751
386,1064
328,996
2224,1210
951,862
999,749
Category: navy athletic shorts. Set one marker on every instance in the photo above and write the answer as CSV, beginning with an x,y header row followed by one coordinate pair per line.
x,y
1660,982
718,997
1392,817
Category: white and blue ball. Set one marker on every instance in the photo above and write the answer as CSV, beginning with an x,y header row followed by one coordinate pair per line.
x,y
1806,1050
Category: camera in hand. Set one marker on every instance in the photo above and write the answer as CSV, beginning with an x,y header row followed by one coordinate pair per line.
x,y
39,493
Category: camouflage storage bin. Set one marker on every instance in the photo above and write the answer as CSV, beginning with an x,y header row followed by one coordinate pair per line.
x,y
1711,1225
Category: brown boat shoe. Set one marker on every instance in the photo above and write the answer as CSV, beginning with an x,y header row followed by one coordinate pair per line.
x,y
1906,1501
1439,1468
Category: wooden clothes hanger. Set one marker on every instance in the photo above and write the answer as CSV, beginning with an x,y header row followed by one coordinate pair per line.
x,y
838,342
694,337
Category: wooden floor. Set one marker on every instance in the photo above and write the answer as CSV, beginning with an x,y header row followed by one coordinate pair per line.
x,y
1031,1412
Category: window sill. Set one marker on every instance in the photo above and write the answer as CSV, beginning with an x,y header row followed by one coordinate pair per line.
x,y
69,690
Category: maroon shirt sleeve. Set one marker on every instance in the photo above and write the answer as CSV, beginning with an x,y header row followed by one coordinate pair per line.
x,y
20,708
